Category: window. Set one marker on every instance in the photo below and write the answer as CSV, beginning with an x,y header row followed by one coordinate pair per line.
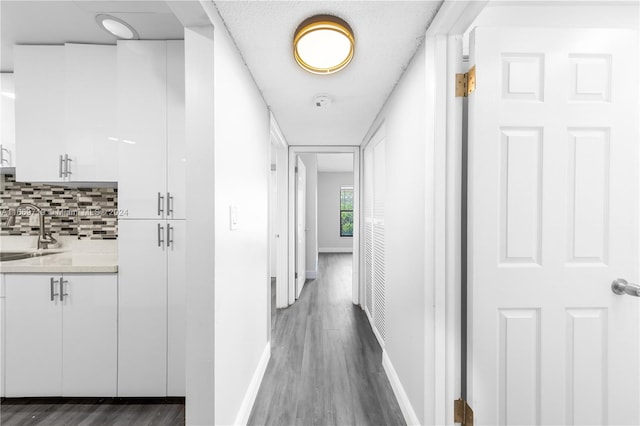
x,y
346,211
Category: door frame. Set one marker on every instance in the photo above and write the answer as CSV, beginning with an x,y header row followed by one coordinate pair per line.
x,y
279,144
443,215
300,213
314,149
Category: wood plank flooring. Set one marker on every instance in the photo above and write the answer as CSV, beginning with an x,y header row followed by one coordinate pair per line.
x,y
326,364
92,412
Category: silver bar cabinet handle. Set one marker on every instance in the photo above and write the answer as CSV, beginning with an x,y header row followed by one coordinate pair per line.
x,y
160,204
63,292
60,166
67,168
621,286
169,235
169,204
52,285
160,235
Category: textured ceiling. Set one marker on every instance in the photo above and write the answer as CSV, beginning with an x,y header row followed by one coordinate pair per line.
x,y
57,22
387,34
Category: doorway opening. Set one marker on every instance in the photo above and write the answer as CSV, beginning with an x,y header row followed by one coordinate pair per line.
x,y
324,198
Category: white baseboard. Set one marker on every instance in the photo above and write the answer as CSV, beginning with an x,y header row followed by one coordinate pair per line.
x,y
250,397
403,400
335,250
312,275
373,327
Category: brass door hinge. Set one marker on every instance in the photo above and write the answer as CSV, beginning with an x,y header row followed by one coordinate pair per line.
x,y
462,413
466,83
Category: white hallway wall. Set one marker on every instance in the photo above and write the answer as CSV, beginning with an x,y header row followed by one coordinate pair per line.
x,y
311,163
405,283
241,123
329,239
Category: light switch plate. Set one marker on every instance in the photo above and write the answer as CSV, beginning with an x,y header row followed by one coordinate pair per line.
x,y
233,217
34,220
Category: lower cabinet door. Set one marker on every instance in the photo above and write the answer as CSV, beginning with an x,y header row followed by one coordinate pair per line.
x,y
89,335
142,308
176,310
33,364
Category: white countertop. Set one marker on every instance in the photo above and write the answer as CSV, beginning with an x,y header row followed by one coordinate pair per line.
x,y
72,255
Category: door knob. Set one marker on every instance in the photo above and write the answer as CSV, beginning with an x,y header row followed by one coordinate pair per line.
x,y
621,286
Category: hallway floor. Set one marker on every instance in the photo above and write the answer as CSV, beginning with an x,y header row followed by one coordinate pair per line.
x,y
326,364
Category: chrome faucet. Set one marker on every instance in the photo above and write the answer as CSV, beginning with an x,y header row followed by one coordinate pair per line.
x,y
45,238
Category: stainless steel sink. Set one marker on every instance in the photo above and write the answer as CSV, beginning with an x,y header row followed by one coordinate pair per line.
x,y
6,256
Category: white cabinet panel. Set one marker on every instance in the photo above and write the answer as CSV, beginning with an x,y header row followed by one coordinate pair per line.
x,y
60,347
40,125
33,337
65,106
2,334
90,335
7,120
90,105
176,147
176,332
142,295
142,117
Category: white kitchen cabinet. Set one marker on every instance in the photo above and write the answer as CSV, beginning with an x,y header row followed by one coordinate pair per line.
x,y
152,161
7,120
61,335
90,113
176,309
65,113
89,335
39,73
151,345
2,344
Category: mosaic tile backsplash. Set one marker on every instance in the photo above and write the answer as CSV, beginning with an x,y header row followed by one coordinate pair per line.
x,y
88,213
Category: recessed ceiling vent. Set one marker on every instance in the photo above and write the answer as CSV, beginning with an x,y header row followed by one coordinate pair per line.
x,y
322,101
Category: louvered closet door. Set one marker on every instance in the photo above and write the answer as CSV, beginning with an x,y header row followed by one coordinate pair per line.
x,y
374,241
368,229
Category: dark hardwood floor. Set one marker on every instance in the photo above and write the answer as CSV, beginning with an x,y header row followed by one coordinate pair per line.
x,y
92,411
326,364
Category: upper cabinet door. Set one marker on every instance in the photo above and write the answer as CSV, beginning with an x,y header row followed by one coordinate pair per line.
x,y
7,120
40,125
142,117
176,149
90,105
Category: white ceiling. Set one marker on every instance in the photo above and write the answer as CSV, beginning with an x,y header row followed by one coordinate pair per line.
x,y
335,162
57,22
387,34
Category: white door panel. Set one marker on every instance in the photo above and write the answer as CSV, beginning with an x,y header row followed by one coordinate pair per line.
x,y
33,336
301,238
142,308
176,311
142,117
176,147
90,112
40,92
553,214
90,335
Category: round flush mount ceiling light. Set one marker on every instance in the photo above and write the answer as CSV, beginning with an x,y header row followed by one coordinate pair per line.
x,y
117,27
323,44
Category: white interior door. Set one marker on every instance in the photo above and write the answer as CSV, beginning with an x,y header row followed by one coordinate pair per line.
x,y
301,240
273,225
553,220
